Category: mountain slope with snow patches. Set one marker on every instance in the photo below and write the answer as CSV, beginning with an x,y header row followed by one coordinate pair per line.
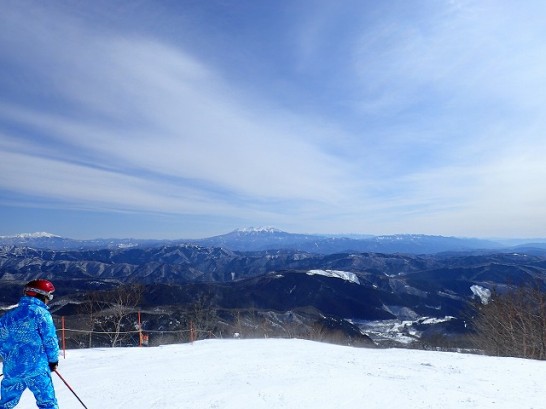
x,y
343,275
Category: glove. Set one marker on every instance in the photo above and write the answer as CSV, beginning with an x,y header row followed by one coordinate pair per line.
x,y
53,366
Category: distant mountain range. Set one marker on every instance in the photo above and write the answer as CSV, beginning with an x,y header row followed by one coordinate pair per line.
x,y
368,279
268,238
432,285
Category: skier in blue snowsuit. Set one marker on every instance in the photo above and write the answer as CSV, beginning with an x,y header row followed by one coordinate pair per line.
x,y
29,348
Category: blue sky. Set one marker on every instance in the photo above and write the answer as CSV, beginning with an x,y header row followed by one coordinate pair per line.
x,y
186,119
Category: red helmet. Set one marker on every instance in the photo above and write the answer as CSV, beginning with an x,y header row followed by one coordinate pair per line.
x,y
40,287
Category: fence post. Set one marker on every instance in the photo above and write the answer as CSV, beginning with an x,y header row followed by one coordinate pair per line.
x,y
139,330
63,337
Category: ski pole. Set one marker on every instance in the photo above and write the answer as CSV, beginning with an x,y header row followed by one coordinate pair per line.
x,y
69,387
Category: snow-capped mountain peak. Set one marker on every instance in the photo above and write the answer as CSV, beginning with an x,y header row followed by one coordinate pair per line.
x,y
35,235
263,229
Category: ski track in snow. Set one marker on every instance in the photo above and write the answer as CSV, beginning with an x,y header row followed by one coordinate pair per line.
x,y
276,374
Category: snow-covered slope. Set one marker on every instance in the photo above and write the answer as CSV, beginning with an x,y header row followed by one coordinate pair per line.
x,y
268,373
344,275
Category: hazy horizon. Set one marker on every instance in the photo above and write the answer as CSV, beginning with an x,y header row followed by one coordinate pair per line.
x,y
502,240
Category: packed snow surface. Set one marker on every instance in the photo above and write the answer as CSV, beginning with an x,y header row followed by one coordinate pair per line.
x,y
298,374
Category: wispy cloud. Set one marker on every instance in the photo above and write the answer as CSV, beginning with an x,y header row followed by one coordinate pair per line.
x,y
384,119
141,108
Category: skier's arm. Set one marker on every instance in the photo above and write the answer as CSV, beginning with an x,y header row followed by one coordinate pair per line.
x,y
48,333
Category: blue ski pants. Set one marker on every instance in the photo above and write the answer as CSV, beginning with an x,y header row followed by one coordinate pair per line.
x,y
41,386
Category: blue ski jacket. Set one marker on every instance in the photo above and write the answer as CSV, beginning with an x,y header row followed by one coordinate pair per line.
x,y
28,339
